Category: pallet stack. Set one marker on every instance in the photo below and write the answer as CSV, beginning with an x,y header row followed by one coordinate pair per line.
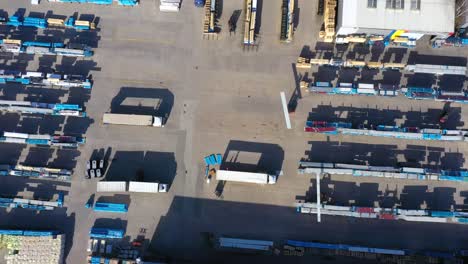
x,y
209,22
329,21
37,249
287,21
249,24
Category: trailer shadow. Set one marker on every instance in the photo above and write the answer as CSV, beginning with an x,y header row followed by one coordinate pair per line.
x,y
384,155
416,58
117,198
38,156
143,101
344,193
65,158
115,223
142,166
253,157
10,153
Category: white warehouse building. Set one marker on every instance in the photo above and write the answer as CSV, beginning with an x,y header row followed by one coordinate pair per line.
x,y
396,18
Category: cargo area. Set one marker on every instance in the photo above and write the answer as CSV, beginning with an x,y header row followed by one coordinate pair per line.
x,y
153,130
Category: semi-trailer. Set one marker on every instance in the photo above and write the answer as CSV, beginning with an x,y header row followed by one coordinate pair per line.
x,y
133,186
169,5
147,187
248,177
132,120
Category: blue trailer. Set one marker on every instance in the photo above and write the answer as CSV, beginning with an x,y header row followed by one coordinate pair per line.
x,y
96,232
111,207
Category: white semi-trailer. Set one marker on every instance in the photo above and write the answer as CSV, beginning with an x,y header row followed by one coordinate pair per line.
x,y
132,120
249,177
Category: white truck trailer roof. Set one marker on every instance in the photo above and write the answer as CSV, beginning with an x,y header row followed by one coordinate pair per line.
x,y
145,187
240,176
132,120
108,186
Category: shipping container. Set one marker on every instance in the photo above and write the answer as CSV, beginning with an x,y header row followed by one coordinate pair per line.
x,y
108,186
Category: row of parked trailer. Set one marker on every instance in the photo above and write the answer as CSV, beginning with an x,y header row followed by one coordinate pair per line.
x,y
42,108
45,79
42,140
100,2
19,21
45,48
31,203
381,89
36,172
412,133
436,69
385,213
409,173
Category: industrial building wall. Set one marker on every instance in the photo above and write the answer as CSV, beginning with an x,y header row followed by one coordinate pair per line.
x,y
434,17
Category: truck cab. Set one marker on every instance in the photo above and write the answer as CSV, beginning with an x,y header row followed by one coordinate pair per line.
x,y
272,179
162,188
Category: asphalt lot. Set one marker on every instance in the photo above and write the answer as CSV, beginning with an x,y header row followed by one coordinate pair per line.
x,y
220,99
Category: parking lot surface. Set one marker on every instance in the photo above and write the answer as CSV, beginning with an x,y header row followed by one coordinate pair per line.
x,y
219,98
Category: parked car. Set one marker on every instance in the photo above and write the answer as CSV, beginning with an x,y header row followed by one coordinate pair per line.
x,y
94,164
92,173
101,164
88,165
98,173
87,174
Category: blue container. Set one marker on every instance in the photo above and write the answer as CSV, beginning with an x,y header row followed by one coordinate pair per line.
x,y
106,233
213,159
111,207
199,3
441,214
219,159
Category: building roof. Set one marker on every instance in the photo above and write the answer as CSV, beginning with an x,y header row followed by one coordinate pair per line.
x,y
435,16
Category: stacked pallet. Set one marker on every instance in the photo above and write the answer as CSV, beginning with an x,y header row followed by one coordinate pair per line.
x,y
37,249
249,23
210,17
287,20
303,63
329,21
